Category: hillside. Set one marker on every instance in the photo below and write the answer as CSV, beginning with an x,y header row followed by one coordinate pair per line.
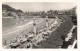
x,y
9,8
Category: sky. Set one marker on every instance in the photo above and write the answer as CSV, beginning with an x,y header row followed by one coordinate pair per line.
x,y
41,6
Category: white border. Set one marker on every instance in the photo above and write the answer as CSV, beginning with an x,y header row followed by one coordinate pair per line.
x,y
78,16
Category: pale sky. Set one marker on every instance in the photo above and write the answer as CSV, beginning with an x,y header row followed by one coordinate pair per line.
x,y
41,6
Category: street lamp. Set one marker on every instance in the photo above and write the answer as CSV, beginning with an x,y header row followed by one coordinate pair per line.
x,y
47,23
34,24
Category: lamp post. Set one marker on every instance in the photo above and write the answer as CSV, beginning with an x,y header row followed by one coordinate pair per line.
x,y
34,24
47,23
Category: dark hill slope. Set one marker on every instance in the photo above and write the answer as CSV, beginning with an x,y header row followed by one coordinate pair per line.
x,y
9,8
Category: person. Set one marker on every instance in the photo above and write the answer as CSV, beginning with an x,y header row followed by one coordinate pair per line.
x,y
28,45
65,43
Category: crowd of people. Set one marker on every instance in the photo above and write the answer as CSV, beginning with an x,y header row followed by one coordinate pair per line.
x,y
32,39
